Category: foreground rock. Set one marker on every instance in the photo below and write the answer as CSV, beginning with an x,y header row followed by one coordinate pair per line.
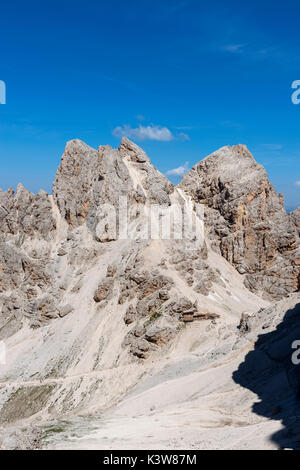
x,y
20,439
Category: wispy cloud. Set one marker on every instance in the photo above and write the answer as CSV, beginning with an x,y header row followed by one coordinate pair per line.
x,y
273,147
150,132
297,183
252,51
234,48
144,133
180,171
183,136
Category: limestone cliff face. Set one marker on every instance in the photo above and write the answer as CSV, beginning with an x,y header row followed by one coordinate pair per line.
x,y
26,214
76,179
295,219
246,219
27,227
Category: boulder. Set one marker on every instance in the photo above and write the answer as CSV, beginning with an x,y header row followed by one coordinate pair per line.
x,y
65,310
104,290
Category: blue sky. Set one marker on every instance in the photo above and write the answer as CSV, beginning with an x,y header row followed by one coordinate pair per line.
x,y
181,78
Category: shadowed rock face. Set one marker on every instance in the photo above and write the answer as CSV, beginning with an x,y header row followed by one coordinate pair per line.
x,y
268,369
246,219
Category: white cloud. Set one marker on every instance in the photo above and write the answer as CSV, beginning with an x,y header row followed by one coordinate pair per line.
x,y
180,171
151,132
234,47
297,183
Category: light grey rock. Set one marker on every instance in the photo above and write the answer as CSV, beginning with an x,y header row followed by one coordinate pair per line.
x,y
76,177
295,218
160,332
246,219
23,213
20,439
140,348
65,310
129,315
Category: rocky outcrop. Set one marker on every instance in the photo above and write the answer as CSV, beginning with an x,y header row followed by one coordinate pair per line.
x,y
104,290
24,214
295,218
157,331
20,439
246,220
153,184
76,178
65,310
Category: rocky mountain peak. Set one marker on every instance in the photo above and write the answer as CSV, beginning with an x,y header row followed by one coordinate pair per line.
x,y
132,152
246,219
87,178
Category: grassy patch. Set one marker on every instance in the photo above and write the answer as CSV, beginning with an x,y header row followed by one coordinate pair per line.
x,y
155,316
51,430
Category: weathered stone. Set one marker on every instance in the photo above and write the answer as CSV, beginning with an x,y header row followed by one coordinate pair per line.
x,y
104,290
160,332
129,315
111,271
140,348
26,214
65,310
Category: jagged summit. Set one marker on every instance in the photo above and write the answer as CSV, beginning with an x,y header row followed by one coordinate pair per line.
x,y
130,150
246,219
87,178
